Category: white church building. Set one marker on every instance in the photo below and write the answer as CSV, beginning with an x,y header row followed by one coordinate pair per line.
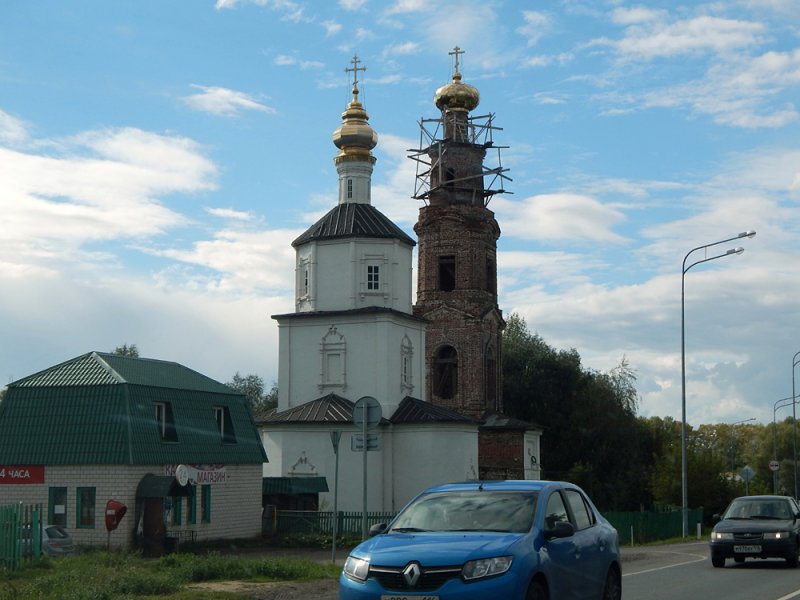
x,y
355,332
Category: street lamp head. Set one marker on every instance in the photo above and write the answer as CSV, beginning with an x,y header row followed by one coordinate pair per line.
x,y
749,233
737,250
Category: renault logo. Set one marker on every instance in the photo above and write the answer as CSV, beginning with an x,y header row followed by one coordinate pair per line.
x,y
411,574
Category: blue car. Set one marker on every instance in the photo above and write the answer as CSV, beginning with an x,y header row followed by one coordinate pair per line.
x,y
503,540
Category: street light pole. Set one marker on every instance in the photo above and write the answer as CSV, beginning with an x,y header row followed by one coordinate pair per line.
x,y
684,269
795,362
775,408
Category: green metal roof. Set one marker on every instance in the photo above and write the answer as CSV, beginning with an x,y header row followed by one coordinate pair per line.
x,y
294,485
100,409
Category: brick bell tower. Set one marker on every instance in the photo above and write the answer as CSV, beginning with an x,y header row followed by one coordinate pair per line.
x,y
457,266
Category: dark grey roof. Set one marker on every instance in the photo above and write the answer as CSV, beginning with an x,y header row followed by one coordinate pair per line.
x,y
327,409
413,410
353,220
500,421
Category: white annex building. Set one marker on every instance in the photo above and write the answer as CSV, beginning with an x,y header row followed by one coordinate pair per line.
x,y
354,334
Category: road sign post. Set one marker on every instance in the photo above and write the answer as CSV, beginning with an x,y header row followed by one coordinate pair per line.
x,y
335,437
367,415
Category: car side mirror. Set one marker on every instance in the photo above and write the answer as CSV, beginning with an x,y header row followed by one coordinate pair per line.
x,y
716,518
562,529
377,529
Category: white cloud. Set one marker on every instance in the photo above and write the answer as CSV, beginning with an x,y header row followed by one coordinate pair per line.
x,y
352,4
224,102
283,60
535,25
291,10
555,217
12,130
99,185
331,27
648,39
230,213
408,6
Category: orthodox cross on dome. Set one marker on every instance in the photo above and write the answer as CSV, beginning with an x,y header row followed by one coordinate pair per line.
x,y
456,51
354,70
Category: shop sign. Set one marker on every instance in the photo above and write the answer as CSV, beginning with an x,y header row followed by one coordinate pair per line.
x,y
201,474
16,474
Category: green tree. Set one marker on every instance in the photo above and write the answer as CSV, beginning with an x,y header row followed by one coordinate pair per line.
x,y
591,433
252,387
126,350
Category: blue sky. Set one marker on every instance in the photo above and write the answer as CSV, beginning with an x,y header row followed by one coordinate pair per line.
x,y
158,158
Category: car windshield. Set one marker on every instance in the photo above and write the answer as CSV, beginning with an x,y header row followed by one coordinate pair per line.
x,y
472,510
751,508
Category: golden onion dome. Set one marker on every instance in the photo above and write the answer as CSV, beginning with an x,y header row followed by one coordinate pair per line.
x,y
457,96
355,137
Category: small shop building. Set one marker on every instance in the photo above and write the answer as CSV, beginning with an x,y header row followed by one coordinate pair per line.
x,y
178,449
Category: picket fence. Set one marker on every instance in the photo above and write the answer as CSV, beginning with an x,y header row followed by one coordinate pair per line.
x,y
20,534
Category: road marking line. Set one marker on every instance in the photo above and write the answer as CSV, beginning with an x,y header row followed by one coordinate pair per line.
x,y
688,562
787,596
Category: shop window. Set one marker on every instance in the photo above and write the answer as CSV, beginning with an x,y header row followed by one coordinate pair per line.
x,y
177,510
205,504
57,506
191,504
85,507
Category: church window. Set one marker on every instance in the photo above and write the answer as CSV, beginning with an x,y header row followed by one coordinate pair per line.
x,y
447,273
333,355
445,372
491,276
491,378
349,188
406,373
373,277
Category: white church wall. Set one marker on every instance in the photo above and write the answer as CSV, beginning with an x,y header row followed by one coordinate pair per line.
x,y
430,454
338,274
370,364
308,451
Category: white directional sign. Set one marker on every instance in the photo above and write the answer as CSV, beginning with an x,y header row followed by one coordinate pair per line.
x,y
373,442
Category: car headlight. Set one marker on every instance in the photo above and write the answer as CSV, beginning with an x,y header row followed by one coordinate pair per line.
x,y
356,568
719,536
485,567
776,535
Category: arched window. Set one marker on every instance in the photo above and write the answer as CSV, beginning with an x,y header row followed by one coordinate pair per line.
x,y
445,372
491,378
406,372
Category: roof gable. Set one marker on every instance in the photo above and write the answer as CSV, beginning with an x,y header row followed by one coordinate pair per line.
x,y
414,410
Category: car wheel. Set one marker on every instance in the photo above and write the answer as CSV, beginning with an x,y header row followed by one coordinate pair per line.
x,y
718,561
792,560
536,591
613,587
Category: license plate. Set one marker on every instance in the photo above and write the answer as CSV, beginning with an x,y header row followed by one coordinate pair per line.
x,y
406,597
748,549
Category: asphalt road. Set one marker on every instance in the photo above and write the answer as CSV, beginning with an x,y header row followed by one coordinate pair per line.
x,y
684,572
666,572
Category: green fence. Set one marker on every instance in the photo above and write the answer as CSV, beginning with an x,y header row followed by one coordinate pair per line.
x,y
643,527
20,534
286,522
